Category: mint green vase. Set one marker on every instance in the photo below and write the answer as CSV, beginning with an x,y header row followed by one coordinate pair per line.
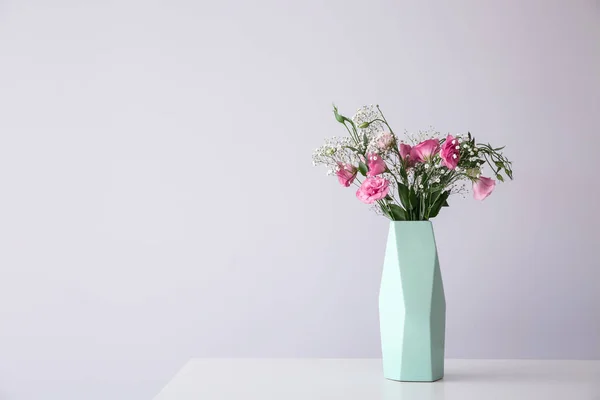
x,y
412,307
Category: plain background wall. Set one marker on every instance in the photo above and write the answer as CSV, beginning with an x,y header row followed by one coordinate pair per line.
x,y
158,202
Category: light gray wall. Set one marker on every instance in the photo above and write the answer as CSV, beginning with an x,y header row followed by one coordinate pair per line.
x,y
157,199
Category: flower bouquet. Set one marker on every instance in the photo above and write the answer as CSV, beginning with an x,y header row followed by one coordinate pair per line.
x,y
409,179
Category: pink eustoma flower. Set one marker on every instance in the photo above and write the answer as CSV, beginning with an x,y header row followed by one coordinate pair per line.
x,y
405,154
376,164
450,152
425,150
385,141
372,189
346,174
483,187
404,150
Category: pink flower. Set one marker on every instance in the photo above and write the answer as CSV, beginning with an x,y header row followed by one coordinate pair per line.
x,y
425,150
376,164
385,141
450,152
483,187
372,189
346,174
404,150
405,154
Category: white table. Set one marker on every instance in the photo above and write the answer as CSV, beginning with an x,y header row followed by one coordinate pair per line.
x,y
362,379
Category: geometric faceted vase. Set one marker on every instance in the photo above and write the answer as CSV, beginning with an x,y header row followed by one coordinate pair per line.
x,y
412,307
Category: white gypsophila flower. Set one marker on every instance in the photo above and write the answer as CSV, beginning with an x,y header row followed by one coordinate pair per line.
x,y
459,187
368,114
376,209
371,146
420,136
392,182
334,151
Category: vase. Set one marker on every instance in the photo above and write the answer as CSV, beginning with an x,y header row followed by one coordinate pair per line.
x,y
412,307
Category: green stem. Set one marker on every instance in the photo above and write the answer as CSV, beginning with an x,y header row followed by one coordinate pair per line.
x,y
384,120
382,205
354,137
493,167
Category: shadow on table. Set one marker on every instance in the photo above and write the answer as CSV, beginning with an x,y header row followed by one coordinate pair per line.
x,y
495,377
394,390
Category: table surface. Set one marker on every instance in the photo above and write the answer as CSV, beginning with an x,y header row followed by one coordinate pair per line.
x,y
348,379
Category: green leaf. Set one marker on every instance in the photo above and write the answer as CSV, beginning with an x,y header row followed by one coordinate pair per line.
x,y
417,210
397,212
405,196
385,211
434,196
445,204
403,173
362,167
431,199
413,198
365,140
500,177
435,209
499,164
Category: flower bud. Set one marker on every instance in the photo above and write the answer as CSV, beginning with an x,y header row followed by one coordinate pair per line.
x,y
338,117
474,172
